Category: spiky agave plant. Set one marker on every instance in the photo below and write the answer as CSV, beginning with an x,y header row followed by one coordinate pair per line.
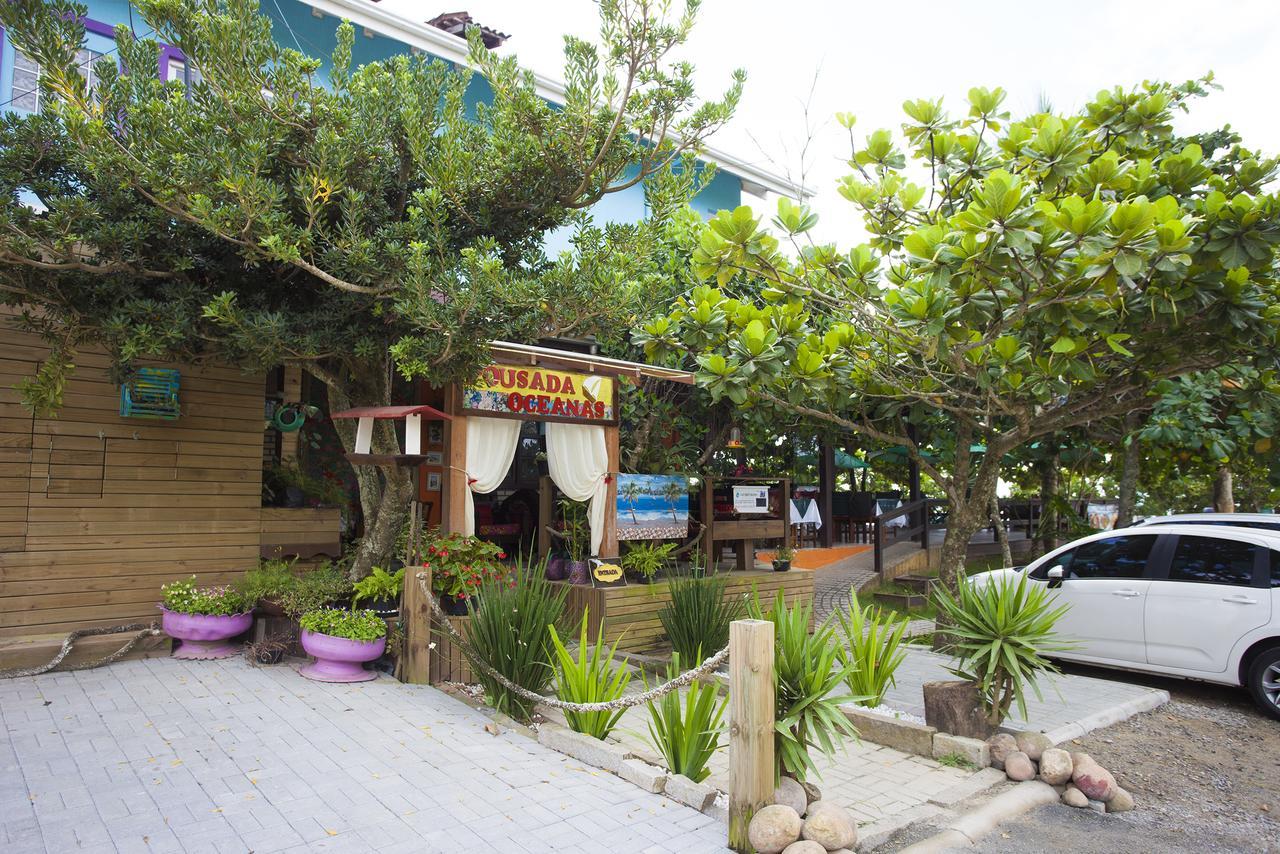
x,y
590,677
686,731
873,645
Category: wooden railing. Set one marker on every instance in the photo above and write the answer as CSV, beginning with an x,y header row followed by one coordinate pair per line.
x,y
917,513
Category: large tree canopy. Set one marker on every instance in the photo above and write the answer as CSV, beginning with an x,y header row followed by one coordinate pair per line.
x,y
1021,278
386,220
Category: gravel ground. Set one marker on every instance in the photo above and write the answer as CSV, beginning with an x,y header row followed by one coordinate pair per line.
x,y
1204,770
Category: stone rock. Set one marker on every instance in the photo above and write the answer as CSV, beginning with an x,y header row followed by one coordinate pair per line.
x,y
811,792
651,778
792,794
1095,781
691,794
773,828
1073,797
999,746
1034,744
584,748
1019,767
1055,766
1097,806
830,826
804,846
945,744
1078,759
952,706
1121,801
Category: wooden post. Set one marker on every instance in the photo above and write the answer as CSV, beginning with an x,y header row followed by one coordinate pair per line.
x,y
609,538
415,612
454,486
751,711
546,515
826,486
708,521
292,394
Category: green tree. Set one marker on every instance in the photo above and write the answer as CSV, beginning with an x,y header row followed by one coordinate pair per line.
x,y
630,493
1050,272
376,226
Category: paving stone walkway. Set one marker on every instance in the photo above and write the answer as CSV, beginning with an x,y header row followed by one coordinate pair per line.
x,y
164,755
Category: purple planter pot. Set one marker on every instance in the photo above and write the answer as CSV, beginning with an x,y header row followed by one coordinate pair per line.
x,y
579,571
203,636
555,568
339,659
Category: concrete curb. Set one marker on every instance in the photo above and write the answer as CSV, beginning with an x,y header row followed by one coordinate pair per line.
x,y
969,828
1154,699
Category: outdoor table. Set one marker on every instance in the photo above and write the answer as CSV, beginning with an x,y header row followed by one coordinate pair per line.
x,y
886,505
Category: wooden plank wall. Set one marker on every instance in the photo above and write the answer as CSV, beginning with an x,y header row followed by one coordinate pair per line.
x,y
631,613
97,511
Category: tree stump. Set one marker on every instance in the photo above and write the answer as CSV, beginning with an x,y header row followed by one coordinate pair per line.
x,y
953,707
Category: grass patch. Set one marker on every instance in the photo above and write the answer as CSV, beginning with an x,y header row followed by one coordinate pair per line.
x,y
955,760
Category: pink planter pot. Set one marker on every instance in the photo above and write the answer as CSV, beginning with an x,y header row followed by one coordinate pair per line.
x,y
339,659
204,636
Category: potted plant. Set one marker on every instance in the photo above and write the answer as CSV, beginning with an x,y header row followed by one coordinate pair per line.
x,y
643,560
323,586
555,570
458,564
577,540
999,630
782,559
204,618
381,590
341,642
265,584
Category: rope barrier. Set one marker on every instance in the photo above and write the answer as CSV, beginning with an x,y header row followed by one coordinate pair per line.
x,y
683,680
143,630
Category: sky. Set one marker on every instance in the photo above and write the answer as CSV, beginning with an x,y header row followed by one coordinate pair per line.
x,y
808,59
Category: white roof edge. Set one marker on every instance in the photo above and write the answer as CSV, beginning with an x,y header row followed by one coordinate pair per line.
x,y
454,48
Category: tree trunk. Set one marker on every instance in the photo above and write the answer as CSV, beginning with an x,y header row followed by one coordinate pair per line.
x,y
1130,470
1223,500
1002,535
1048,530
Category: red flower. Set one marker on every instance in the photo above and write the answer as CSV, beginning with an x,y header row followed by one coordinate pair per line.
x,y
502,555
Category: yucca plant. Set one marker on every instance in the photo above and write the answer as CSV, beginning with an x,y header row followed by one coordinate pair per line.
x,y
687,732
873,645
1000,630
508,632
592,677
697,618
808,670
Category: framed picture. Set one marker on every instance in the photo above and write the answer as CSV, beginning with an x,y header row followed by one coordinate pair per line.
x,y
435,458
435,433
433,481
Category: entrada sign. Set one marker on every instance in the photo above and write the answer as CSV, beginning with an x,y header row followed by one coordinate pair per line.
x,y
541,393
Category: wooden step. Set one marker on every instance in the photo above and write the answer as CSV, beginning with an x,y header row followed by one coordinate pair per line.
x,y
34,650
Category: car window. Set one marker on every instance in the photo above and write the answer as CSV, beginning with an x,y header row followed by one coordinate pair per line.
x,y
1275,569
1213,560
1042,571
1111,557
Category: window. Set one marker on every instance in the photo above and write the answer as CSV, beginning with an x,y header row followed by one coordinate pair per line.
x,y
26,78
178,71
1213,560
1275,569
1113,557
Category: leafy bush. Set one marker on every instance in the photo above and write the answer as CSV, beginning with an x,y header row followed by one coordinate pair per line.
x,y
508,632
873,644
647,558
339,623
269,580
459,564
314,590
808,669
688,733
1000,630
184,597
697,618
379,585
592,677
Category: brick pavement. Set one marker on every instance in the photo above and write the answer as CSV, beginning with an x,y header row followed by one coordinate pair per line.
x,y
164,755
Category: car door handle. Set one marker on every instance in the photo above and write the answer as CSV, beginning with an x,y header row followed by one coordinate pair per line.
x,y
1128,594
1240,600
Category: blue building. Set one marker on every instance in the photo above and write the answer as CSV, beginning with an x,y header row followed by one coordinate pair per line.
x,y
311,26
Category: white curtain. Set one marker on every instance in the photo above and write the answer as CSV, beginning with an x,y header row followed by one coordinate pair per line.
x,y
578,461
491,446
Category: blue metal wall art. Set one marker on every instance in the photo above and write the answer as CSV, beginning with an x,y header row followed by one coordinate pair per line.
x,y
150,393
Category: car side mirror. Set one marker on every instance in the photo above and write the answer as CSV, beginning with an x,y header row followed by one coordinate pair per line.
x,y
1055,576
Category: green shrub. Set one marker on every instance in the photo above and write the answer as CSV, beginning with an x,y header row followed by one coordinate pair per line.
x,y
314,590
352,625
378,585
269,580
508,632
647,558
1000,630
687,733
184,597
697,618
808,670
873,644
592,677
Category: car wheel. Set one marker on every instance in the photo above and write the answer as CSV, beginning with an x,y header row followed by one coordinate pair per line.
x,y
1264,681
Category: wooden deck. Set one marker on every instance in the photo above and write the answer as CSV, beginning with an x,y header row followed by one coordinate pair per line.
x,y
631,612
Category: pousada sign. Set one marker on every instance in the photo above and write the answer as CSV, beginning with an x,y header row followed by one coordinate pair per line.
x,y
541,394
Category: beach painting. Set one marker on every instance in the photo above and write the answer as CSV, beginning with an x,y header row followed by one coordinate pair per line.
x,y
653,506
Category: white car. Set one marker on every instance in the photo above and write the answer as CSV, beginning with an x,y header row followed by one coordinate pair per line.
x,y
1194,601
1267,521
